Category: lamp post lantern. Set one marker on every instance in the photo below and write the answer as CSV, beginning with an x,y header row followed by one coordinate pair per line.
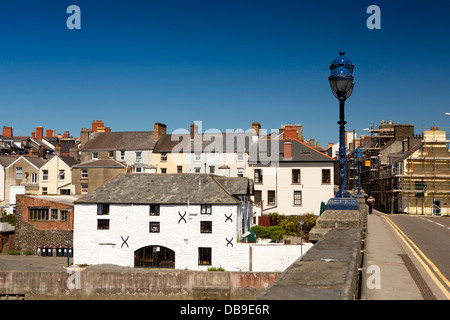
x,y
341,83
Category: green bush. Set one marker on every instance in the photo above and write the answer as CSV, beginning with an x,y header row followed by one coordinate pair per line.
x,y
216,269
10,218
28,253
13,253
291,224
273,232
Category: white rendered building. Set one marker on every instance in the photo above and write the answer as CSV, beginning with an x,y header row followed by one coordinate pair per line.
x,y
181,221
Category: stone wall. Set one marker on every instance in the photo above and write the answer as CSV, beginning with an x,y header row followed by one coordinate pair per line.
x,y
31,234
135,284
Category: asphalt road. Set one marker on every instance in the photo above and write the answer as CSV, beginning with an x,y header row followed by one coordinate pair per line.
x,y
429,236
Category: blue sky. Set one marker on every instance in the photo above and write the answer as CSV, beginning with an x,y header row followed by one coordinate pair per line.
x,y
225,63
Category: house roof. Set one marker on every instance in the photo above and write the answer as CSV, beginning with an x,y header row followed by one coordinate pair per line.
x,y
129,140
205,142
264,150
149,188
100,163
37,162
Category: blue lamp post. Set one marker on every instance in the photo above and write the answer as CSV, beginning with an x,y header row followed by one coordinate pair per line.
x,y
341,83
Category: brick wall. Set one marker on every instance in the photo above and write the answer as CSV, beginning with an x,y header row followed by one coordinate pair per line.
x,y
30,234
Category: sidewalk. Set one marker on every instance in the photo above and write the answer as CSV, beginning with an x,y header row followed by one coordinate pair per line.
x,y
383,251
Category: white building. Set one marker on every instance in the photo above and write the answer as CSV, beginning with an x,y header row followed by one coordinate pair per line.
x,y
192,221
290,177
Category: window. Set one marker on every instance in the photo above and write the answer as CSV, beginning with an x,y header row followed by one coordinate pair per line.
x,y
154,227
64,191
138,156
258,197
296,177
54,214
212,169
138,169
154,209
94,155
164,156
179,169
110,154
45,175
163,170
102,209
44,190
240,172
62,174
205,209
64,215
326,176
84,188
103,224
204,256
258,176
38,214
122,155
34,178
197,156
297,198
271,197
84,173
205,226
19,173
197,169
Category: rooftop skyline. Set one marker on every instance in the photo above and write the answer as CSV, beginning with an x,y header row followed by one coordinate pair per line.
x,y
225,63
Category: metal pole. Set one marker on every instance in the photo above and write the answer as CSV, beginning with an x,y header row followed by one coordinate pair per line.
x,y
68,236
342,149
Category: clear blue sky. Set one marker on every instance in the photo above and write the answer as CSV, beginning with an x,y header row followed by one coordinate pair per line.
x,y
226,63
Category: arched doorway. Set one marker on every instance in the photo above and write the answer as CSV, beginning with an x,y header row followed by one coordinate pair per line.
x,y
154,257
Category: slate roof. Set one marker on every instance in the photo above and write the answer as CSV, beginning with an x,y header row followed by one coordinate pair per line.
x,y
301,152
129,140
205,142
150,188
101,163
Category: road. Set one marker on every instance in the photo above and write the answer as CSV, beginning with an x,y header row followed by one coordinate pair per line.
x,y
427,239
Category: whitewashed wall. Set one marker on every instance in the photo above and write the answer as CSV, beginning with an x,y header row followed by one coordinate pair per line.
x,y
92,246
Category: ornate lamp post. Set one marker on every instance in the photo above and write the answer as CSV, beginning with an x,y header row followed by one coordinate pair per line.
x,y
341,83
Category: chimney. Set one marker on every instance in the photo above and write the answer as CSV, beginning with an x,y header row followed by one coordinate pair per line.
x,y
159,130
287,149
290,132
66,134
33,135
39,133
194,130
31,152
42,152
49,133
256,127
74,153
8,132
96,124
85,135
58,149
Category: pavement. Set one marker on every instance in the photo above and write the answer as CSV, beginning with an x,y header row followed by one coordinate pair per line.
x,y
393,273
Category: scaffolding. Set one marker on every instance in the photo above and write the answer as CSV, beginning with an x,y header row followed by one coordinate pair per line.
x,y
414,181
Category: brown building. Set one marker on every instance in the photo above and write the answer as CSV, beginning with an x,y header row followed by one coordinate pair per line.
x,y
43,221
89,176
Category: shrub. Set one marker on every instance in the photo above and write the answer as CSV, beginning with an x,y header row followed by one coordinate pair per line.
x,y
291,224
216,269
13,253
28,253
273,232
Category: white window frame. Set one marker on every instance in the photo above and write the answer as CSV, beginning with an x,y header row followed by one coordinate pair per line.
x,y
138,155
94,155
